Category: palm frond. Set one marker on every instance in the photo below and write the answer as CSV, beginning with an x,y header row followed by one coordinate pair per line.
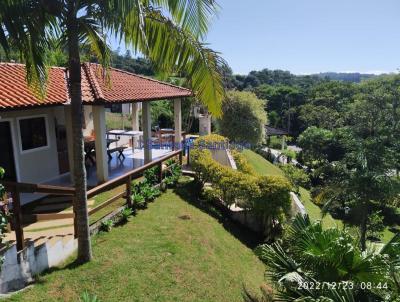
x,y
174,49
191,15
25,26
171,44
392,248
299,224
91,35
283,268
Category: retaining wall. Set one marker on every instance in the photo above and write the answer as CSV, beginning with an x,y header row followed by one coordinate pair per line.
x,y
19,268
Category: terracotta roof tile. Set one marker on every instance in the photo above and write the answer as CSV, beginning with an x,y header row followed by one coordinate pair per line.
x,y
120,86
14,90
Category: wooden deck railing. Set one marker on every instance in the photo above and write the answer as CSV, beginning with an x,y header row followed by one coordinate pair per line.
x,y
17,188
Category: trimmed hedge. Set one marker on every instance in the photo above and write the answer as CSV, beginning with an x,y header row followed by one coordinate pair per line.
x,y
242,163
211,141
267,196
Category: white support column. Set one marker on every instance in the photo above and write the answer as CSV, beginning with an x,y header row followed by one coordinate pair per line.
x,y
135,123
68,128
99,122
178,123
204,124
135,116
146,127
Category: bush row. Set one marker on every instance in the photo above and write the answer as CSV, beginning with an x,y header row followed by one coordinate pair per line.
x,y
267,196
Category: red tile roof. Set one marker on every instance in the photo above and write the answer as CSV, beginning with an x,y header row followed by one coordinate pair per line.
x,y
120,86
14,90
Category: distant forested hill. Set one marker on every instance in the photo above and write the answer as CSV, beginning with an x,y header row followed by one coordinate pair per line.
x,y
58,57
353,77
296,102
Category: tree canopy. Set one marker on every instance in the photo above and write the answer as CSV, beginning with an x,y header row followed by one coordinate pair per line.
x,y
244,118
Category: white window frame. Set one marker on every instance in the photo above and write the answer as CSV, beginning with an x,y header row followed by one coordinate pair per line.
x,y
20,137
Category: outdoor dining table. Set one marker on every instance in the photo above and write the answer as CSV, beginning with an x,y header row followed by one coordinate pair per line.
x,y
116,132
133,134
89,147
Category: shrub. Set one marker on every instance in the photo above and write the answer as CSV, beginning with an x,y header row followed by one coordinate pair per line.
x,y
267,196
172,172
211,141
273,201
290,154
125,214
87,297
275,144
136,187
297,177
106,225
235,186
274,195
241,163
204,166
211,194
150,193
138,201
151,175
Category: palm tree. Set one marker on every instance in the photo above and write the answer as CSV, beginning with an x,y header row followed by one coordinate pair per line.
x,y
169,33
310,255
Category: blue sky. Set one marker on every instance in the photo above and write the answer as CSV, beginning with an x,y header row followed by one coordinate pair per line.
x,y
308,36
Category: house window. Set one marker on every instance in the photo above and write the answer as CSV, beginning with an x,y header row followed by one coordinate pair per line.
x,y
33,133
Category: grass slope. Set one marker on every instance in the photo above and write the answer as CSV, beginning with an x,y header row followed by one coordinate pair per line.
x,y
261,165
264,167
173,251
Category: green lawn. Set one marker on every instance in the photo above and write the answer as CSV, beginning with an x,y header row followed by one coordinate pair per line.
x,y
315,212
264,167
172,251
117,121
261,165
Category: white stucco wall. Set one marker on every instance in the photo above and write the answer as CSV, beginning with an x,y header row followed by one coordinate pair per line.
x,y
36,165
88,126
19,269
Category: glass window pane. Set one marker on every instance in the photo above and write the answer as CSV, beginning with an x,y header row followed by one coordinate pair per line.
x,y
33,133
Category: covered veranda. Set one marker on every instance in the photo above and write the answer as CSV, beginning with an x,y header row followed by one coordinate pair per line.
x,y
40,165
108,158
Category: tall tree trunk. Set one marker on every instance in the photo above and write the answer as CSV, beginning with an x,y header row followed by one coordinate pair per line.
x,y
80,202
363,228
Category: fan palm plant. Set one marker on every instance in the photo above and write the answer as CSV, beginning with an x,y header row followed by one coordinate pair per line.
x,y
310,257
168,32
